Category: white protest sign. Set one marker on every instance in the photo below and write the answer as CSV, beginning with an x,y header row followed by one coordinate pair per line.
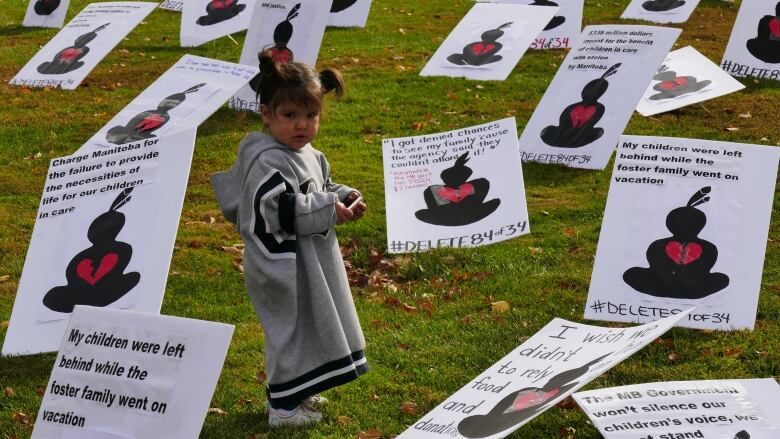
x,y
556,361
104,236
69,57
714,409
348,13
489,41
686,224
686,77
461,188
660,11
291,29
563,30
172,5
122,374
181,98
754,45
206,20
46,13
592,97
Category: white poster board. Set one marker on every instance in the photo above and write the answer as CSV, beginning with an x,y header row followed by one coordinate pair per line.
x,y
348,13
46,13
291,29
461,188
686,224
660,11
489,41
181,98
563,30
593,95
104,236
126,375
713,409
686,77
206,20
552,364
172,5
754,45
69,57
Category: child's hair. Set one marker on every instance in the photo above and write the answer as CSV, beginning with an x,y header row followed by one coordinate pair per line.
x,y
294,82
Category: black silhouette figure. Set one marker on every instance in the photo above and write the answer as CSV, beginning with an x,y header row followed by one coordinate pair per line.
x,y
96,275
457,202
742,435
522,404
662,5
680,264
481,52
67,59
218,11
46,7
340,5
143,124
282,35
672,85
766,46
576,126
555,21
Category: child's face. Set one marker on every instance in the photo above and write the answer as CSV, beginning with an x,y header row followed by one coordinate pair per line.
x,y
291,124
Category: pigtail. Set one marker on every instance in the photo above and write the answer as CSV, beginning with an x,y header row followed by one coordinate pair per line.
x,y
331,81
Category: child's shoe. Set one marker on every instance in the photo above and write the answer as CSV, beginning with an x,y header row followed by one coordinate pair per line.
x,y
312,401
297,417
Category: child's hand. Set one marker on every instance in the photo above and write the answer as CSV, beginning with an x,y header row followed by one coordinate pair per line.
x,y
343,213
356,205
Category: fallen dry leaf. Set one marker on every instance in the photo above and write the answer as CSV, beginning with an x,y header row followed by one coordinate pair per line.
x,y
232,250
261,377
216,410
733,352
20,417
5,277
409,308
5,324
40,391
370,434
344,420
566,404
427,306
673,356
499,307
239,265
732,129
9,391
408,407
535,250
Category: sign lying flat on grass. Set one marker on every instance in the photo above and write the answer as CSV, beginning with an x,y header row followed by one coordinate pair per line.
x,y
728,409
206,20
349,13
686,77
661,11
754,45
172,5
122,374
182,98
489,41
291,29
46,13
104,236
69,57
462,188
556,361
563,30
592,97
685,224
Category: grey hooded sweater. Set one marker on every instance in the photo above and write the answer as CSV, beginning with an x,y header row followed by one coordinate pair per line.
x,y
283,204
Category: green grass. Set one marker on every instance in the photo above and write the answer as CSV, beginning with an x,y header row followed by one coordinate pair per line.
x,y
416,357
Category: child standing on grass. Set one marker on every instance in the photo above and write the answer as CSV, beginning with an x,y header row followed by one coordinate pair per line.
x,y
280,196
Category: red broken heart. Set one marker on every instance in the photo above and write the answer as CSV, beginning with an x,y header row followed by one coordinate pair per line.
x,y
150,122
580,114
456,195
669,85
530,399
85,270
481,49
774,27
69,55
683,254
221,4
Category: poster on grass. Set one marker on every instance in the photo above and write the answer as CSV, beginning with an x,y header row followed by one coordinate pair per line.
x,y
172,5
103,237
686,77
348,13
69,57
489,41
552,364
754,46
291,29
46,13
713,409
563,30
461,188
686,223
181,98
206,20
123,374
660,11
593,95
